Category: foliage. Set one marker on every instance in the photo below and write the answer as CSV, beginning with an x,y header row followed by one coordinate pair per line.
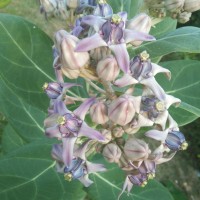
x,y
26,63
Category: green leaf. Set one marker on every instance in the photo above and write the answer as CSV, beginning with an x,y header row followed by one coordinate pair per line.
x,y
111,183
4,3
184,85
163,27
132,7
11,140
30,174
185,39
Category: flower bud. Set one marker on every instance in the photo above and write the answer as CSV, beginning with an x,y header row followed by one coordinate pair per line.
x,y
71,74
53,90
108,69
174,5
66,43
112,153
136,150
72,3
140,23
184,17
99,112
47,6
176,141
191,5
121,110
99,53
118,132
107,135
62,10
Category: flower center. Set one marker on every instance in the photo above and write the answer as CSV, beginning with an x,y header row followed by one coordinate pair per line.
x,y
61,120
151,176
116,19
45,86
102,1
184,146
144,56
68,176
160,106
143,184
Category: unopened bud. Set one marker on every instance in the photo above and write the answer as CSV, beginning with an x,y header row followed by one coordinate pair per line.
x,y
112,153
176,141
184,17
191,5
71,74
136,150
53,90
107,135
48,6
174,5
122,110
140,23
99,53
118,132
108,69
99,112
72,3
66,43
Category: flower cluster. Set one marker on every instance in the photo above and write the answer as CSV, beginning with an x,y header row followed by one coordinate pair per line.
x,y
96,50
177,9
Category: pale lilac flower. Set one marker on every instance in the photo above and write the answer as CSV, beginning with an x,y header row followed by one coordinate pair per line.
x,y
142,70
112,33
170,137
79,168
67,126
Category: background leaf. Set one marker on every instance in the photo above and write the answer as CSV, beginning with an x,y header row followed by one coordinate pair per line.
x,y
185,85
4,3
181,40
30,174
132,7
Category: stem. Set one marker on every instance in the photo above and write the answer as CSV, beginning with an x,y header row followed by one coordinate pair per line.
x,y
95,86
75,98
108,88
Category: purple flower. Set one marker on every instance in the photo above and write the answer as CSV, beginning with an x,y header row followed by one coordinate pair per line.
x,y
111,33
68,126
79,168
142,70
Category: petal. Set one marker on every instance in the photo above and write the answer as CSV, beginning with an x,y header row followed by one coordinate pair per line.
x,y
157,135
81,111
60,108
85,181
90,133
94,167
51,120
68,148
121,56
172,100
90,43
53,132
67,86
56,152
143,121
123,15
125,81
158,69
95,21
166,159
80,152
136,103
172,123
155,87
130,35
127,185
162,119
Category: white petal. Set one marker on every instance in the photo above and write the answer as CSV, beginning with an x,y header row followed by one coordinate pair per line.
x,y
158,69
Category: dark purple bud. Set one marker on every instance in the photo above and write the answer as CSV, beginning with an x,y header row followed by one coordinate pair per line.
x,y
53,90
140,66
148,168
176,141
75,169
139,180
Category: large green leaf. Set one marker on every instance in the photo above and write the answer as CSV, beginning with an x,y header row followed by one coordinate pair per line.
x,y
185,39
26,60
185,84
11,140
111,183
132,7
30,174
